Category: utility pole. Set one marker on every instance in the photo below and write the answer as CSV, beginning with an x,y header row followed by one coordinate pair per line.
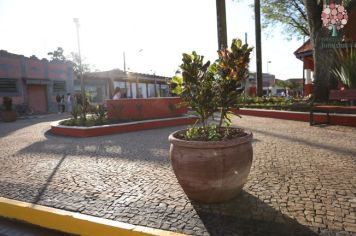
x,y
221,24
259,77
124,62
82,88
268,62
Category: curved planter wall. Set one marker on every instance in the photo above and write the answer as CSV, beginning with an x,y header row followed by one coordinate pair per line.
x,y
145,108
76,131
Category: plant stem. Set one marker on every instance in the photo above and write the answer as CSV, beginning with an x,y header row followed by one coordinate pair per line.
x,y
222,115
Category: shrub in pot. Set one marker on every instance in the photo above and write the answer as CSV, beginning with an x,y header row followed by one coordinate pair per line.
x,y
8,115
212,162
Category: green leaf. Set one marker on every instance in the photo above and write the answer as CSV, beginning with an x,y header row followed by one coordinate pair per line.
x,y
177,90
177,80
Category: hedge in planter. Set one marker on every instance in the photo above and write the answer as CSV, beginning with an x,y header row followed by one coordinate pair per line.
x,y
212,162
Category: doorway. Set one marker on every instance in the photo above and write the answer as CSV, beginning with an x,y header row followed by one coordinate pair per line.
x,y
37,98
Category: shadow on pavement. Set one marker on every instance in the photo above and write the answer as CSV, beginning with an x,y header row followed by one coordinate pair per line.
x,y
14,228
48,181
247,215
149,146
307,142
7,128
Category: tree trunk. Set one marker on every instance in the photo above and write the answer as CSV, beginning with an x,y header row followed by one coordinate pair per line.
x,y
259,77
221,23
323,58
323,63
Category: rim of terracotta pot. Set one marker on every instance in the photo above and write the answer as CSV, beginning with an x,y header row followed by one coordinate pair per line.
x,y
210,144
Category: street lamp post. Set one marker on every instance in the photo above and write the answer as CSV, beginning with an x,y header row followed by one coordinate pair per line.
x,y
82,88
124,56
125,71
268,62
76,21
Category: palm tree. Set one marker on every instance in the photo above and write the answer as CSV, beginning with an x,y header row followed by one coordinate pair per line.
x,y
221,23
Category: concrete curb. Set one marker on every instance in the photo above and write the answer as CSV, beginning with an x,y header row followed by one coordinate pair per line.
x,y
83,132
71,222
335,119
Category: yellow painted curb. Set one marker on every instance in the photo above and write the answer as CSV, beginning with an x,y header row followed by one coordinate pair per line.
x,y
71,222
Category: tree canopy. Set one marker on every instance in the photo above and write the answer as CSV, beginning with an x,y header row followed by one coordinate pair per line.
x,y
75,60
57,55
290,14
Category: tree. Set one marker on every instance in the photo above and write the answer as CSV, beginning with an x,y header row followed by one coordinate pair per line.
x,y
259,76
304,18
221,24
324,59
75,61
258,49
290,14
290,85
57,55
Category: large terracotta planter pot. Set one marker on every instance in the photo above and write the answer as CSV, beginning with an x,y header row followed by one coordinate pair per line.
x,y
213,171
8,116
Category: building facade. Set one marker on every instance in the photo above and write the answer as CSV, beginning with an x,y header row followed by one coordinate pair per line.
x,y
268,82
34,82
101,85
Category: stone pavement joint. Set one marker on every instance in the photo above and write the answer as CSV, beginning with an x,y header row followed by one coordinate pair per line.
x,y
302,180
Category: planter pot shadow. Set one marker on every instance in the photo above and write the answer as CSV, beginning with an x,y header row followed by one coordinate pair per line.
x,y
8,116
213,171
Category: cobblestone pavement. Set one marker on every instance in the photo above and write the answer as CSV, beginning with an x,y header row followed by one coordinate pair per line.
x,y
302,182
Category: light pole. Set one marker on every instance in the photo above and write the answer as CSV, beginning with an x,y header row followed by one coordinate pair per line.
x,y
129,78
82,88
268,62
124,56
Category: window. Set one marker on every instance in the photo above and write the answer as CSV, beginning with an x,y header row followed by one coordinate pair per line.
x,y
151,90
142,90
128,91
59,86
164,90
8,85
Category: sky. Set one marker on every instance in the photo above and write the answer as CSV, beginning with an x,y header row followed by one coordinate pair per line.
x,y
152,33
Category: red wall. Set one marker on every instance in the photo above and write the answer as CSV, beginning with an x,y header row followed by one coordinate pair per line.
x,y
122,128
34,69
10,67
139,109
350,27
337,119
15,100
308,89
57,71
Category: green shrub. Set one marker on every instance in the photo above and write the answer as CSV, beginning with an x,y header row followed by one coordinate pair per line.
x,y
207,88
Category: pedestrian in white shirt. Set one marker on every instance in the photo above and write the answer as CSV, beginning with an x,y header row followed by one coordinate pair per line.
x,y
117,94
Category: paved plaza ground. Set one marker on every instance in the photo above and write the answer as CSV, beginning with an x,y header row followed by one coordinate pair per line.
x,y
302,182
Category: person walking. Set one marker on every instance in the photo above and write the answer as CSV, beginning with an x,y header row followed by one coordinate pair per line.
x,y
69,102
58,100
117,94
63,104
